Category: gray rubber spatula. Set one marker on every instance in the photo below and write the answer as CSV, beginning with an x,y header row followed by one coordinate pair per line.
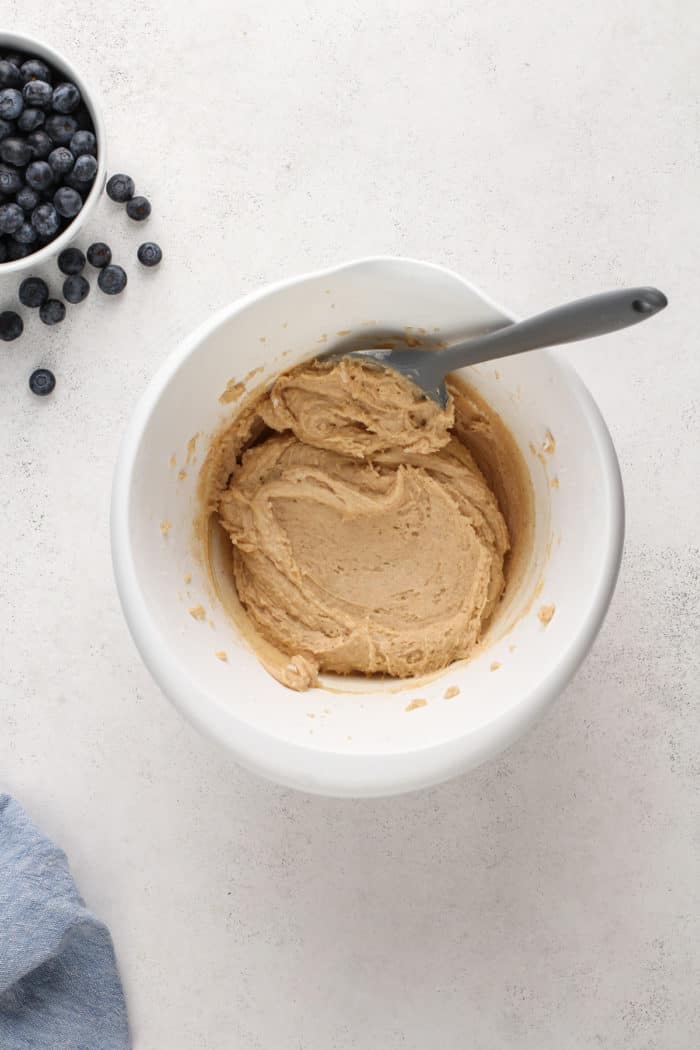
x,y
582,319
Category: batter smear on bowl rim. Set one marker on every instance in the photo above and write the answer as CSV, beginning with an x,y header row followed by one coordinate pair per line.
x,y
369,528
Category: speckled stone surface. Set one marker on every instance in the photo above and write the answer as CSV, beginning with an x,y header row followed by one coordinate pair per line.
x,y
550,900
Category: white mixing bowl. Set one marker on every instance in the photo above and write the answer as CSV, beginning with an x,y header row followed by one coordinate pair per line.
x,y
355,737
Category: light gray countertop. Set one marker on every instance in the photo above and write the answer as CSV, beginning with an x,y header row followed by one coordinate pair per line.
x,y
550,899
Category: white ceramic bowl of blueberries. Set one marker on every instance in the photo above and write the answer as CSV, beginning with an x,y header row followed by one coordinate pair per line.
x,y
53,162
53,168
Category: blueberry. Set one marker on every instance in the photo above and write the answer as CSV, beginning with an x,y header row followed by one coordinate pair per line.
x,y
67,202
27,198
53,311
37,94
138,208
15,151
60,128
11,103
31,119
99,254
83,142
39,175
66,98
35,69
33,292
9,74
45,220
42,382
10,181
75,288
120,188
15,250
75,183
7,127
85,168
11,326
11,218
14,59
149,253
41,144
25,234
71,261
61,160
112,280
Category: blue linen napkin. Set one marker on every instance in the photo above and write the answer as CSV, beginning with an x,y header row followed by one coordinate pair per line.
x,y
59,985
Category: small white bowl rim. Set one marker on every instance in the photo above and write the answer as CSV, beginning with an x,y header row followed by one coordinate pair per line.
x,y
325,771
23,42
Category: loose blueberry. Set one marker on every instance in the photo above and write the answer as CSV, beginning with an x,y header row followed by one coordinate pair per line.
x,y
42,382
10,181
35,69
60,128
26,234
66,98
9,74
41,144
7,127
27,198
37,94
75,288
11,103
31,119
138,208
83,142
45,220
15,250
112,280
149,253
99,254
120,188
71,261
33,292
11,326
85,168
53,311
11,218
67,202
61,160
39,175
15,151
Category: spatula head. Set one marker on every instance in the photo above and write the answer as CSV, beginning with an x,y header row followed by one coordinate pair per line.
x,y
414,365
